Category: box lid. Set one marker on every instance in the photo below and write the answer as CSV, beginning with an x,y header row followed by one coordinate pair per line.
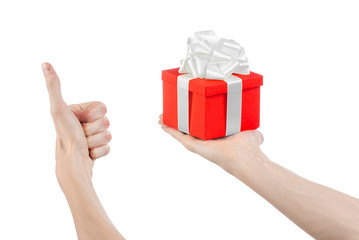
x,y
209,87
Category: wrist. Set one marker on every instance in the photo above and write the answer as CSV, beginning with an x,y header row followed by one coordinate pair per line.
x,y
72,176
245,166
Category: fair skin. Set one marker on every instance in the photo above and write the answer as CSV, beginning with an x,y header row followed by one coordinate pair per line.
x,y
81,138
322,212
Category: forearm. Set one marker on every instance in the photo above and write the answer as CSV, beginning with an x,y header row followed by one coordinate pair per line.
x,y
90,218
322,212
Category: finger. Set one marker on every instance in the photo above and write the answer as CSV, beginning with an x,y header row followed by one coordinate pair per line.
x,y
160,121
98,139
97,126
173,132
254,136
99,152
89,112
54,89
259,136
188,141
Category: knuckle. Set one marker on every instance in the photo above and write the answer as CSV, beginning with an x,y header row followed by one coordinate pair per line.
x,y
261,137
106,122
89,141
85,128
107,149
187,143
87,114
108,136
102,107
95,111
93,153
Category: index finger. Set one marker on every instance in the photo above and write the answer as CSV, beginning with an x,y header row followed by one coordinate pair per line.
x,y
89,111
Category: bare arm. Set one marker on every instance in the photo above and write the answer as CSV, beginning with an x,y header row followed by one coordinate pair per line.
x,y
81,138
322,212
89,216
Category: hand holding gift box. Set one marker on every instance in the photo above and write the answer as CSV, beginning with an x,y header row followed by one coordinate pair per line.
x,y
213,94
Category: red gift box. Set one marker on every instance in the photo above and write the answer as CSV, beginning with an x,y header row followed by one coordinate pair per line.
x,y
208,104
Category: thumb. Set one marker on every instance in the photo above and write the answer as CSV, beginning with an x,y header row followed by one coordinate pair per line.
x,y
65,121
54,88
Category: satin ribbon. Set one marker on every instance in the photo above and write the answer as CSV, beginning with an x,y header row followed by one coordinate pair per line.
x,y
234,103
212,58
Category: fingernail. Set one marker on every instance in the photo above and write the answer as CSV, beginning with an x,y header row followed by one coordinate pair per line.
x,y
46,68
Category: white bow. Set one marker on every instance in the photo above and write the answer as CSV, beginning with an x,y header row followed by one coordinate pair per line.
x,y
213,58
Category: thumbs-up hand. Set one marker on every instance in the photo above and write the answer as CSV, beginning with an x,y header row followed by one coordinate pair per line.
x,y
81,132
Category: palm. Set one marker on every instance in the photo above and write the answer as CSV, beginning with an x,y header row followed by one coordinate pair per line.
x,y
222,150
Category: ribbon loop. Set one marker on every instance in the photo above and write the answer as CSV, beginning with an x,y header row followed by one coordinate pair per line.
x,y
211,57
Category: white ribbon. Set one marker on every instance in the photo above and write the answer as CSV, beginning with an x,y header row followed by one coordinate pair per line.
x,y
213,58
182,102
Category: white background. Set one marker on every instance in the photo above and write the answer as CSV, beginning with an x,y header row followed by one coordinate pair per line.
x,y
151,187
